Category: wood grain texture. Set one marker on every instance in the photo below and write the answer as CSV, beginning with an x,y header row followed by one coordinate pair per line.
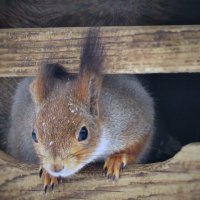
x,y
155,49
177,178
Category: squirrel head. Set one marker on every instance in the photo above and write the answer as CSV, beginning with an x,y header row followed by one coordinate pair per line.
x,y
67,131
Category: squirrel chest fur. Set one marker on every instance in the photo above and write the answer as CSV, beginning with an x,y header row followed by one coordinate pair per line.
x,y
78,120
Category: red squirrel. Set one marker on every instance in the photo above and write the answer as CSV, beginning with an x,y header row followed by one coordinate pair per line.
x,y
77,120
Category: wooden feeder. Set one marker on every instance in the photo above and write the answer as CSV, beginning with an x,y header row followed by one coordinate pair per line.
x,y
155,49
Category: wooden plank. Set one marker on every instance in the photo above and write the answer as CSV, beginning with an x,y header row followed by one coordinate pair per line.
x,y
177,178
155,49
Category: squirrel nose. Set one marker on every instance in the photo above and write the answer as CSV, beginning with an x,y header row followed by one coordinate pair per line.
x,y
57,168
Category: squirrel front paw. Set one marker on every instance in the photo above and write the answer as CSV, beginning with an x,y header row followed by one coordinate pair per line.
x,y
48,179
114,164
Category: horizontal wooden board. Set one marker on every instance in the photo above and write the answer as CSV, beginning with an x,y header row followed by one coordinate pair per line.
x,y
177,178
155,49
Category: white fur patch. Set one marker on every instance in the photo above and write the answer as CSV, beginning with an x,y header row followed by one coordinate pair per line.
x,y
101,150
65,172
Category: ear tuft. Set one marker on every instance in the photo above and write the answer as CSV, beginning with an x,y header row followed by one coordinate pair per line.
x,y
92,56
48,76
90,77
57,71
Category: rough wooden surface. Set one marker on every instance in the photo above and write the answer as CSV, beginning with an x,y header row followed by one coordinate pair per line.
x,y
177,178
129,49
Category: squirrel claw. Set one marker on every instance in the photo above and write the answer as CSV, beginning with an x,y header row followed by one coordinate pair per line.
x,y
122,166
59,179
40,172
45,188
105,171
52,186
114,164
48,179
114,178
111,177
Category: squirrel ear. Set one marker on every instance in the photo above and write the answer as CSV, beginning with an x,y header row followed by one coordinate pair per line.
x,y
94,93
90,77
48,76
89,88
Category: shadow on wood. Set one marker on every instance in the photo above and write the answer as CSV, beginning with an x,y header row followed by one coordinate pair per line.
x,y
177,178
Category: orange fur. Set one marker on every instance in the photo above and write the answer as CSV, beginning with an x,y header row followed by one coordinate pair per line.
x,y
118,160
82,87
38,90
88,88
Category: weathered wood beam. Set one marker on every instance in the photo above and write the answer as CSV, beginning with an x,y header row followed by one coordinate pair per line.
x,y
177,178
155,49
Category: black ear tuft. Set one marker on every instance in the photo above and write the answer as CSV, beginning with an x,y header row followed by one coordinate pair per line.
x,y
48,76
92,56
55,70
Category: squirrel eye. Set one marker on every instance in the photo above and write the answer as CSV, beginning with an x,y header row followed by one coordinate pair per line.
x,y
83,134
34,136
